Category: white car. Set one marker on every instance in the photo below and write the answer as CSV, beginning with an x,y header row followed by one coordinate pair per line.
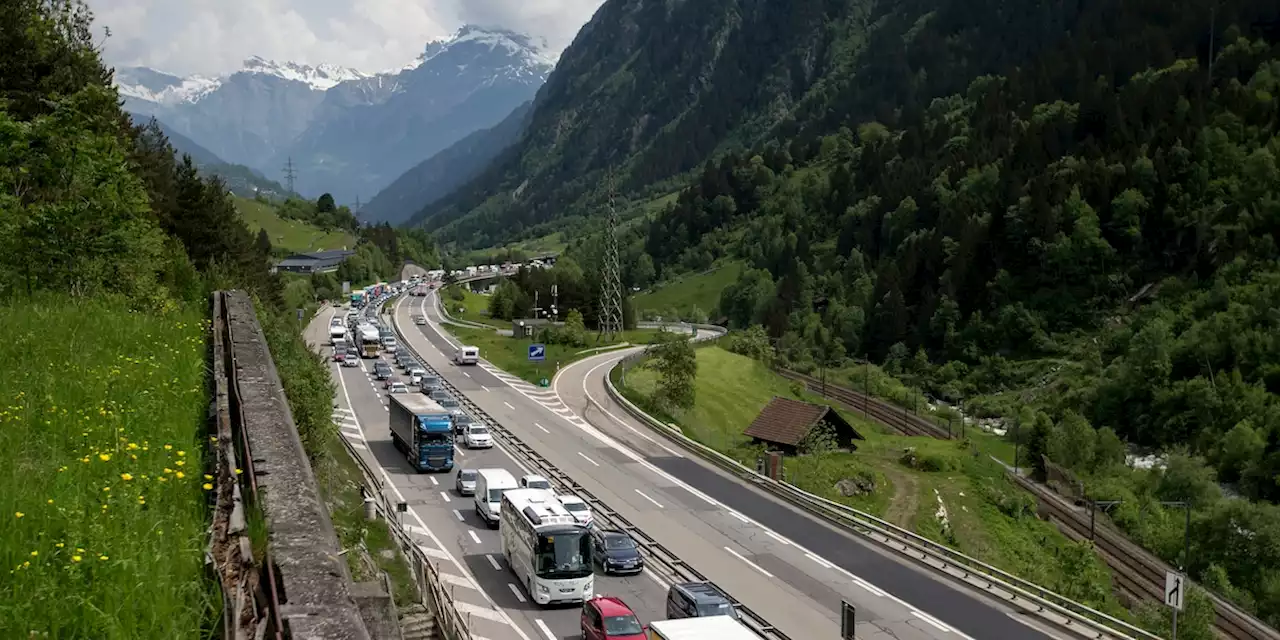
x,y
578,507
398,387
532,481
478,437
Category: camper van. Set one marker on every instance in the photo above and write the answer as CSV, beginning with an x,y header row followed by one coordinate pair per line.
x,y
466,355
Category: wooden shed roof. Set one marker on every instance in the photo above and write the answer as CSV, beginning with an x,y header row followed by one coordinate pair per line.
x,y
787,421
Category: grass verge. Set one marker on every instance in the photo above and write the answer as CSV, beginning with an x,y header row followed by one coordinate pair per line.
x,y
102,426
686,292
984,514
512,354
310,390
465,304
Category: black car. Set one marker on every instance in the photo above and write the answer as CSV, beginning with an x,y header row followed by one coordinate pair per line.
x,y
382,370
698,600
616,552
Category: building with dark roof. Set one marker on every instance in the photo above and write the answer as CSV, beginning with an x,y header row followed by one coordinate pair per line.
x,y
315,262
784,423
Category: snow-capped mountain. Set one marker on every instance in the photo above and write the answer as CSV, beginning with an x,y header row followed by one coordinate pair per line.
x,y
348,132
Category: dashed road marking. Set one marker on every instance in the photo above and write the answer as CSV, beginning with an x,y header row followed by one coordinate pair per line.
x,y
516,591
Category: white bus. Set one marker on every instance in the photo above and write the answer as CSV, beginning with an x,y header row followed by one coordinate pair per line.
x,y
546,548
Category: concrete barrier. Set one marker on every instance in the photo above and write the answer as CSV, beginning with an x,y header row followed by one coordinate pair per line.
x,y
305,586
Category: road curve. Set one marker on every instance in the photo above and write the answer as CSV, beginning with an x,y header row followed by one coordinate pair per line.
x,y
831,561
650,482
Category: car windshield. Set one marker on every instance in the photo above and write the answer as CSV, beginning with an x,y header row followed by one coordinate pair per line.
x,y
619,542
467,476
622,626
479,430
577,507
448,403
564,555
436,438
538,484
717,609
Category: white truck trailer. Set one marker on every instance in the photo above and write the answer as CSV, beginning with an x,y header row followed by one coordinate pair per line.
x,y
709,628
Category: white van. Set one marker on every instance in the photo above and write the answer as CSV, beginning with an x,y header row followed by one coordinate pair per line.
x,y
466,355
490,483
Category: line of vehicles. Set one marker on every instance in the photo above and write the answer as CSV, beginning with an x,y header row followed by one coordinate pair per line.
x,y
552,542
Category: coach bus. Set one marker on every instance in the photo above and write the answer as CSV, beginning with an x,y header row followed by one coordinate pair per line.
x,y
546,548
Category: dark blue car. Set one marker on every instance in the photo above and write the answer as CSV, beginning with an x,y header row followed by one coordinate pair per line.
x,y
616,552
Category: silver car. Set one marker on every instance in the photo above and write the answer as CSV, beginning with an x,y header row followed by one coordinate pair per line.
x,y
466,482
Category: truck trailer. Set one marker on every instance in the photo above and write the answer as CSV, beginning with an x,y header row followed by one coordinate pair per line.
x,y
423,431
709,628
369,340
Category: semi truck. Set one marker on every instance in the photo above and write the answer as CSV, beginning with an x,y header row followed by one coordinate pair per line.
x,y
717,627
369,340
423,431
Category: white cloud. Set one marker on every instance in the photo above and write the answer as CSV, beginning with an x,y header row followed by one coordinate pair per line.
x,y
215,36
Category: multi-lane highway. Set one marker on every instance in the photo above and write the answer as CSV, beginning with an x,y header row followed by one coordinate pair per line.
x,y
700,515
785,565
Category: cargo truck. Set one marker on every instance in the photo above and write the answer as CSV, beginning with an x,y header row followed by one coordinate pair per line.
x,y
423,431
369,341
709,628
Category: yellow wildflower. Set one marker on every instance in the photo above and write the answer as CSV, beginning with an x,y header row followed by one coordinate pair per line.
x,y
75,558
18,514
182,453
103,558
180,475
126,476
105,457
207,486
168,447
35,553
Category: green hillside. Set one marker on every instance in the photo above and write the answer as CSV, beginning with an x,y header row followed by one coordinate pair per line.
x,y
689,295
291,236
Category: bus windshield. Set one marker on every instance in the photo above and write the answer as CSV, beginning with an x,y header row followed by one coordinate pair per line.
x,y
564,555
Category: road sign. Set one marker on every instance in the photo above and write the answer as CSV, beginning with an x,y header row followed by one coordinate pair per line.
x,y
1174,589
537,352
299,315
346,286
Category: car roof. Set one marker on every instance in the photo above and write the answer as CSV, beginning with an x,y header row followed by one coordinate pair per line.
x,y
570,498
612,606
533,476
613,533
703,591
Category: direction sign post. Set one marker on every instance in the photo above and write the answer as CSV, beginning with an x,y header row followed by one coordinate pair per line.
x,y
1174,590
537,352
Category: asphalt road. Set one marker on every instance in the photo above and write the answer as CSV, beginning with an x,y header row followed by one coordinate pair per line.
x,y
467,553
652,484
845,558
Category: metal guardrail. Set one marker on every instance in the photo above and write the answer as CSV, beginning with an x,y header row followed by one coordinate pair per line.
x,y
656,555
426,574
1018,591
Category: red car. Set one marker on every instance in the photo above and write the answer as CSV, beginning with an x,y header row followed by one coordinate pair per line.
x,y
609,618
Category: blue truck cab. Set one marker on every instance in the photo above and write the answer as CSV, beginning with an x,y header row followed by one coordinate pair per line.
x,y
423,431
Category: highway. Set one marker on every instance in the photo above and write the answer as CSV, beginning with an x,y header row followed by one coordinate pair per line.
x,y
652,484
467,552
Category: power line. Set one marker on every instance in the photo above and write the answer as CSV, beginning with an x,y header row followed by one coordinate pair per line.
x,y
611,285
290,175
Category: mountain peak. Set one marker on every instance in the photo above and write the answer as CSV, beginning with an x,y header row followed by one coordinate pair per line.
x,y
471,37
321,77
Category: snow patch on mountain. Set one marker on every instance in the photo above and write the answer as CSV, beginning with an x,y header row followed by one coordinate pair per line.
x,y
150,85
320,77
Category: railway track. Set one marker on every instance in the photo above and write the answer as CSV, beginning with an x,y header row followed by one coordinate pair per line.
x,y
1137,573
897,418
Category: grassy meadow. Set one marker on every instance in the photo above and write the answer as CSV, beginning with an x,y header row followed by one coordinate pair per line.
x,y
102,508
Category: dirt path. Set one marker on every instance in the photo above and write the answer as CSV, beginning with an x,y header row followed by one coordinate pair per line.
x,y
906,497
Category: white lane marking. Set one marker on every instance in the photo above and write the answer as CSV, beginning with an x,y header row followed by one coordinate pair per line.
x,y
822,563
516,590
544,429
749,563
440,552
445,495
739,516
494,561
584,457
931,620
466,374
458,514
386,408
458,450
434,482
474,537
542,626
616,418
866,585
486,613
642,495
508,405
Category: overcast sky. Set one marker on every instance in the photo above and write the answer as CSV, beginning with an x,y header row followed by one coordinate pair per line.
x,y
215,36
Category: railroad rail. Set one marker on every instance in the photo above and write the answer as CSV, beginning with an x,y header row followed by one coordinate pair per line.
x,y
656,555
1137,573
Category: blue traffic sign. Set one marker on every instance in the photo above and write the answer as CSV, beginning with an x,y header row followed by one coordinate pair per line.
x,y
537,352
